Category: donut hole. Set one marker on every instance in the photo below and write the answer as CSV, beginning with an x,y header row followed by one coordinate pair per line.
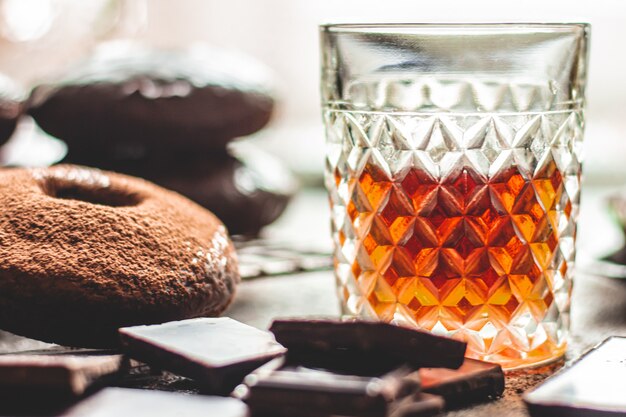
x,y
87,185
101,196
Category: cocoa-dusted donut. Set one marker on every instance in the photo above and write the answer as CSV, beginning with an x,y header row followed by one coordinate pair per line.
x,y
84,252
246,192
128,100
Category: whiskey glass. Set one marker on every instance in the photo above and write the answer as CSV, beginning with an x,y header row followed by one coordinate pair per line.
x,y
453,163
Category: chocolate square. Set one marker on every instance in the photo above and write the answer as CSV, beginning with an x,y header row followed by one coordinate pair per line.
x,y
118,402
216,352
474,381
594,386
284,388
387,341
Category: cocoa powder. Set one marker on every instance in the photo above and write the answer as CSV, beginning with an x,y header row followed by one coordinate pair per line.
x,y
83,252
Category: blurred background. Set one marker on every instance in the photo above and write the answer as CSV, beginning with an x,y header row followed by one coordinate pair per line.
x,y
41,37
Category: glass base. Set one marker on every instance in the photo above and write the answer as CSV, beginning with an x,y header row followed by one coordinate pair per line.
x,y
508,359
531,362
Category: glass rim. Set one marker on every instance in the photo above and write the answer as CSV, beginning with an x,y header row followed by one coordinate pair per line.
x,y
419,28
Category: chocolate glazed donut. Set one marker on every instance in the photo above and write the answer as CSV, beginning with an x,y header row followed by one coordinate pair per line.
x,y
243,196
130,101
84,252
246,192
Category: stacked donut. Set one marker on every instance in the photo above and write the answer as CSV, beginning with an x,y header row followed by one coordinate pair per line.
x,y
168,116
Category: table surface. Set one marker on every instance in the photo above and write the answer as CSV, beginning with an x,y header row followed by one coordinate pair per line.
x,y
598,306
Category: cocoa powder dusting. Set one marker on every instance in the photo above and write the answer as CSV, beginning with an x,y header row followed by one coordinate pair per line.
x,y
83,252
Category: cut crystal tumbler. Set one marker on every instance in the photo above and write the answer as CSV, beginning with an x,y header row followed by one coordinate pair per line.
x,y
453,167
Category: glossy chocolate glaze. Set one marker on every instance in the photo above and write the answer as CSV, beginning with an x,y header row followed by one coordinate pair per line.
x,y
246,192
132,97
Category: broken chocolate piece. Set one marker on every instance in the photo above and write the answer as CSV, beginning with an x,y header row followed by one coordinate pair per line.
x,y
216,352
64,351
415,347
35,382
59,375
115,402
419,405
346,361
474,381
281,388
593,386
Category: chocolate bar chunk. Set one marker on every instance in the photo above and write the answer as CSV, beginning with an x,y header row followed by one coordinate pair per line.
x,y
216,352
346,361
419,405
37,383
474,381
593,386
64,351
59,375
415,347
115,402
286,389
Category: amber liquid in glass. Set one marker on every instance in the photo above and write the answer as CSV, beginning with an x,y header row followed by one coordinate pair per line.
x,y
462,254
463,225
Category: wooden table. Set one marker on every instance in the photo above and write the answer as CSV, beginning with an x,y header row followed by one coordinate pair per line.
x,y
599,304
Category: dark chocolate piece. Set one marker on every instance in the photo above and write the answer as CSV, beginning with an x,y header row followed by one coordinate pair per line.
x,y
117,402
64,351
62,374
474,381
594,386
415,347
40,383
291,389
216,352
347,361
124,101
419,405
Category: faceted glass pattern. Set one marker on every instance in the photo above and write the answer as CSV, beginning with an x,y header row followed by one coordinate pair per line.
x,y
459,224
453,167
